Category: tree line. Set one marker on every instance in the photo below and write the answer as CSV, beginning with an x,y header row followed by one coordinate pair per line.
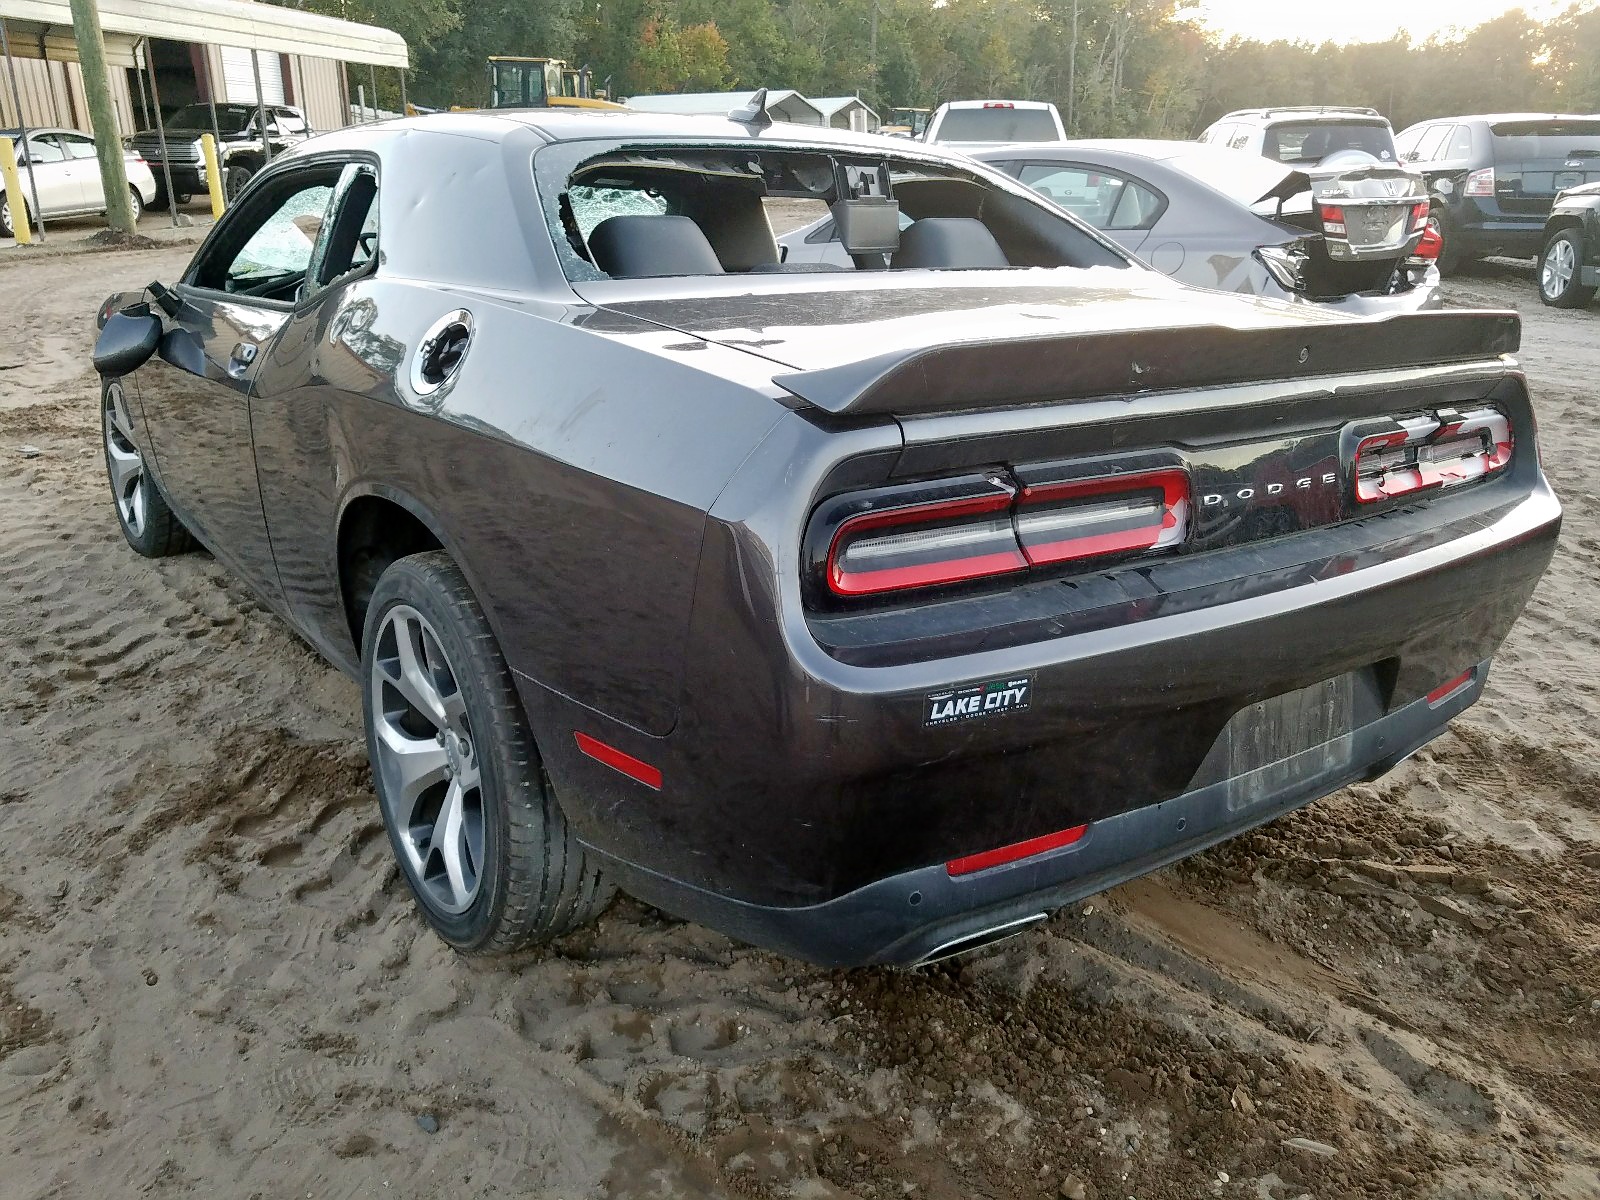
x,y
1115,68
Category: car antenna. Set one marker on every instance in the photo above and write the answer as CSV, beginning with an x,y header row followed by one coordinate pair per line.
x,y
755,112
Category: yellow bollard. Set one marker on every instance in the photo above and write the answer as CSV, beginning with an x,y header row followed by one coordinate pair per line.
x,y
13,182
208,146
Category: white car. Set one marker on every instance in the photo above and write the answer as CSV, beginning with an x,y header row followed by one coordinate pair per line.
x,y
67,175
994,122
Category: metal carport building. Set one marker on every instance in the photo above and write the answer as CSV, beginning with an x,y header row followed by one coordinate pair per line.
x,y
298,53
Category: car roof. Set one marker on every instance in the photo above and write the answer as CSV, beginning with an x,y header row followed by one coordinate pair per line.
x,y
1156,149
997,104
1520,116
570,125
1315,112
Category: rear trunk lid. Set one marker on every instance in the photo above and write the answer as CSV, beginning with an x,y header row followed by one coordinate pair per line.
x,y
1534,159
989,339
1363,211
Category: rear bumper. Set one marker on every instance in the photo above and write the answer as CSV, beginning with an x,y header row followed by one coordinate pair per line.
x,y
803,799
926,913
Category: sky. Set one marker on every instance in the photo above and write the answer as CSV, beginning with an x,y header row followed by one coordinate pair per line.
x,y
1354,20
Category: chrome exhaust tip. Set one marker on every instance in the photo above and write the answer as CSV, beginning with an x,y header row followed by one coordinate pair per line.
x,y
969,942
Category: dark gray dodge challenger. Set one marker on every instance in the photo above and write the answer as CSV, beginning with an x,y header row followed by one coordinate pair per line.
x,y
868,612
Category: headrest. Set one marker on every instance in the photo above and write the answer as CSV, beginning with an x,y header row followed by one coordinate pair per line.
x,y
636,247
950,243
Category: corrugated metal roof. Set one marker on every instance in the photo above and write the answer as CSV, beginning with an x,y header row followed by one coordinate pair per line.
x,y
718,103
828,105
208,22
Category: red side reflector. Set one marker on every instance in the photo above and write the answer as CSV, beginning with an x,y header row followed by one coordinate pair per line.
x,y
1449,688
1014,852
630,766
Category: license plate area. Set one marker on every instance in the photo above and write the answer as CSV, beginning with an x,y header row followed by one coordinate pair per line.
x,y
1369,226
1272,746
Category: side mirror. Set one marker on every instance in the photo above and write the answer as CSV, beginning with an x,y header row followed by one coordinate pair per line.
x,y
127,342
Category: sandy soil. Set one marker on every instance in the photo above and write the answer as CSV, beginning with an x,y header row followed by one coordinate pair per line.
x,y
212,982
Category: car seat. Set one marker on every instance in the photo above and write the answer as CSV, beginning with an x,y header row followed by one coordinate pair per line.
x,y
645,247
949,243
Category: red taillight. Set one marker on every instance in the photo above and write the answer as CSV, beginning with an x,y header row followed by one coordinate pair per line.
x,y
1332,219
998,104
1479,183
1419,215
1451,687
1429,245
945,541
1421,454
1063,522
1015,852
980,526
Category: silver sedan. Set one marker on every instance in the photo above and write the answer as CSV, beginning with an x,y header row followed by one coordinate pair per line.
x,y
1350,233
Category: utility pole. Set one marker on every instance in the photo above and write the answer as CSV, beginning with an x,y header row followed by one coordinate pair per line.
x,y
1072,76
102,115
872,52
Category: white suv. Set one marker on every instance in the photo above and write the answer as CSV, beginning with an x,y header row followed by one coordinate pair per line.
x,y
995,122
1304,136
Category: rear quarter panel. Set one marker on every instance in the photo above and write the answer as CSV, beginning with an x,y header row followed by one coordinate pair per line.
x,y
568,468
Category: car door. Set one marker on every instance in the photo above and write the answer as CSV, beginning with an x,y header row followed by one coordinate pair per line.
x,y
51,173
237,297
85,169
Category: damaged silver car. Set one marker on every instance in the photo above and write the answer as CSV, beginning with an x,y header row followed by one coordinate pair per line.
x,y
1350,233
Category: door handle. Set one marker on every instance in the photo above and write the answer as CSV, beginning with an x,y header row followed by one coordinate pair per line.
x,y
243,355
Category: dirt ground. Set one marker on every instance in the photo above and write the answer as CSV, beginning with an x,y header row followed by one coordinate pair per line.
x,y
212,982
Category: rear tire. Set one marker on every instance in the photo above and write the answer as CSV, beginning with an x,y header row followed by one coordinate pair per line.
x,y
148,522
474,824
1560,269
137,202
1449,260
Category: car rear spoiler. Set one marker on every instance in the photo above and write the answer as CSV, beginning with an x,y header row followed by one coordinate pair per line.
x,y
1013,371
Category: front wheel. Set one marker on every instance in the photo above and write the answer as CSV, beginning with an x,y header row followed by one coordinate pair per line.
x,y
1560,272
469,810
147,522
234,180
7,229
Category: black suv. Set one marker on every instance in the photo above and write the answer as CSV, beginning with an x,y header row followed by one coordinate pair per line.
x,y
240,149
1492,179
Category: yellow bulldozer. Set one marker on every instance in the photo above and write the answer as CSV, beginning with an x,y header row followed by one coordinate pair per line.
x,y
541,83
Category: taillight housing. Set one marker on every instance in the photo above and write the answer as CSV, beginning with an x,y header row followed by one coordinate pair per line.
x,y
1332,219
1427,453
949,532
1118,514
1479,183
974,527
1419,215
1428,246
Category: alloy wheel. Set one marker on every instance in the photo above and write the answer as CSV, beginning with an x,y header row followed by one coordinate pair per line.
x,y
127,464
1558,268
426,760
